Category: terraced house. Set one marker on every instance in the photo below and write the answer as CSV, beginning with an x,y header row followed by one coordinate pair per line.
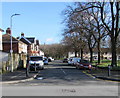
x,y
19,50
17,45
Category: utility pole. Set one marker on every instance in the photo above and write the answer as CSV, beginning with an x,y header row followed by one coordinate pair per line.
x,y
11,51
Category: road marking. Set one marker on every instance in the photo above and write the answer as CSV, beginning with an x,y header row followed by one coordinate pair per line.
x,y
63,71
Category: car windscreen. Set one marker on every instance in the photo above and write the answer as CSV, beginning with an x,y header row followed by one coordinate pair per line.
x,y
36,58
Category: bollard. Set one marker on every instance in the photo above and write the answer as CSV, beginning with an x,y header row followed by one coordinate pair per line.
x,y
109,71
27,71
35,67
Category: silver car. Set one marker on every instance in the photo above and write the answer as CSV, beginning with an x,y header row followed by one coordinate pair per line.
x,y
73,61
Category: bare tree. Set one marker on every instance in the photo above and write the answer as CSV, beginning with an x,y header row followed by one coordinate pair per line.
x,y
54,50
112,26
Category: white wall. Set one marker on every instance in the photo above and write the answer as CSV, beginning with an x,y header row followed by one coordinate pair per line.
x,y
71,54
3,57
22,47
41,53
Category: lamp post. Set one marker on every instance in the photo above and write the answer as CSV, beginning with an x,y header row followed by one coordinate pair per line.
x,y
11,51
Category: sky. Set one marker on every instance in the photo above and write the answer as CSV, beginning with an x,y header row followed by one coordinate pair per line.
x,y
41,20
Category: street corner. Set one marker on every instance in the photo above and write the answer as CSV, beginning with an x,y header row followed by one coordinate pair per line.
x,y
17,79
98,77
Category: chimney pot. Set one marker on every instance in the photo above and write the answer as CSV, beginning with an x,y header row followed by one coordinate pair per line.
x,y
8,31
22,34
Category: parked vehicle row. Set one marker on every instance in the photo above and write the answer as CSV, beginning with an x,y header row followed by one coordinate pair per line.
x,y
65,60
50,59
83,64
37,62
78,63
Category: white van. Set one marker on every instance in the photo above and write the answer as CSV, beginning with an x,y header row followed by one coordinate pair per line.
x,y
36,62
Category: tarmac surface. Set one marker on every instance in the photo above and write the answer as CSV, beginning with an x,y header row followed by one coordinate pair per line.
x,y
20,75
57,79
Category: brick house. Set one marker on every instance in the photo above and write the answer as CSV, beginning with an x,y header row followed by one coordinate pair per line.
x,y
17,45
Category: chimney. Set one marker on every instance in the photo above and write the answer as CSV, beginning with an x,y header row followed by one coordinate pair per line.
x,y
8,31
37,42
22,34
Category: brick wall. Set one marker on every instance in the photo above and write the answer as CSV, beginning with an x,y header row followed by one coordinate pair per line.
x,y
7,47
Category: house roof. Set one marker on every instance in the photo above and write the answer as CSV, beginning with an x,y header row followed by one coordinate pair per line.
x,y
37,42
1,30
6,38
25,40
31,39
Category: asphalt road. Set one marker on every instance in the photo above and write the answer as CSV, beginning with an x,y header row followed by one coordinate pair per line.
x,y
59,79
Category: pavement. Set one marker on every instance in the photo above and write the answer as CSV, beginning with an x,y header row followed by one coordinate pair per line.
x,y
105,74
20,75
17,76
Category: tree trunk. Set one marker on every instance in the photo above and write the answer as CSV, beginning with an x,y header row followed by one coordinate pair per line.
x,y
81,54
113,49
91,55
98,52
75,53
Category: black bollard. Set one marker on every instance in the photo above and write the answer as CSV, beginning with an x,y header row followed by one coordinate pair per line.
x,y
27,71
109,71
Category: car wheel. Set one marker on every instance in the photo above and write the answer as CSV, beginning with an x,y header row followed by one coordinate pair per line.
x,y
42,68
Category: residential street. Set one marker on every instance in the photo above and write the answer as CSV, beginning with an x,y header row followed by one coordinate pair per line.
x,y
68,48
60,79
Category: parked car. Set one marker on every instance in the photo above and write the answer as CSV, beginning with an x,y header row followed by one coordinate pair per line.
x,y
73,61
70,62
65,60
83,64
45,61
36,63
50,59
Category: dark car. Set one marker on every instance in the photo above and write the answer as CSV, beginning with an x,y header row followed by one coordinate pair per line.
x,y
65,60
83,64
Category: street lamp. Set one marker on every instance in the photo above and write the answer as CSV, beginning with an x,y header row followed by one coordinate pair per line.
x,y
11,51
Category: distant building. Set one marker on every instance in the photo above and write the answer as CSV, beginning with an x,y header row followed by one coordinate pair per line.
x,y
41,53
34,46
1,38
17,45
26,41
105,54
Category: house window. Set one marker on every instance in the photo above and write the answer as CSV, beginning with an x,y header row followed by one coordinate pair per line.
x,y
72,53
105,52
105,57
119,57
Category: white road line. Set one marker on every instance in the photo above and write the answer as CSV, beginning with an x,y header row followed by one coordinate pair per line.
x,y
63,71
